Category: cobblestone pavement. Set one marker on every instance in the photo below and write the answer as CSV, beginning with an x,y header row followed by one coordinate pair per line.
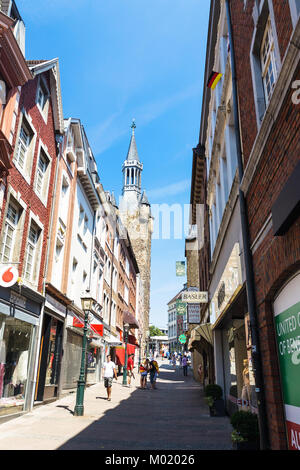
x,y
173,417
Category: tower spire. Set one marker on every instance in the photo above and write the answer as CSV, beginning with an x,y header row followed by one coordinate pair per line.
x,y
132,167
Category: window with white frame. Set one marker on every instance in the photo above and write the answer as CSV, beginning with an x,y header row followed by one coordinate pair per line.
x,y
268,61
126,294
31,250
127,267
42,98
42,176
8,239
115,278
23,147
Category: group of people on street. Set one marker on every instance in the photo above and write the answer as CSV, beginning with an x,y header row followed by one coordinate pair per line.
x,y
109,372
184,361
149,367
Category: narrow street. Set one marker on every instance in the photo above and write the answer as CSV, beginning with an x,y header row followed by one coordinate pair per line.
x,y
173,417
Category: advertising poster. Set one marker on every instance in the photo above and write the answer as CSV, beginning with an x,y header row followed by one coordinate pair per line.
x,y
287,326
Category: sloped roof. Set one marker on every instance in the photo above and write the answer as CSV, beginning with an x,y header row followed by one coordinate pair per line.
x,y
40,66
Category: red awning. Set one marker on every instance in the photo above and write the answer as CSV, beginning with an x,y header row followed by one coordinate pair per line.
x,y
120,356
132,340
120,353
130,319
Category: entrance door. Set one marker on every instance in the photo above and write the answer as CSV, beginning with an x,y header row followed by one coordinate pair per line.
x,y
50,359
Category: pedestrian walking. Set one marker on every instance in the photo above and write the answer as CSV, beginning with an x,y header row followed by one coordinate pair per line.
x,y
174,361
109,370
144,369
130,367
153,371
185,365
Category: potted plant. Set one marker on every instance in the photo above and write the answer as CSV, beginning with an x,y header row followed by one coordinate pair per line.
x,y
213,397
245,435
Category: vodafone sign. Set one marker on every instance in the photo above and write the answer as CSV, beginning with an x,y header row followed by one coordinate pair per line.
x,y
8,275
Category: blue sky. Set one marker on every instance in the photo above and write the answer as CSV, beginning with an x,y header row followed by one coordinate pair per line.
x,y
125,59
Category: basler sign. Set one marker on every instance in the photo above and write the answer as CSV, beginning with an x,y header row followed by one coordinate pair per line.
x,y
194,297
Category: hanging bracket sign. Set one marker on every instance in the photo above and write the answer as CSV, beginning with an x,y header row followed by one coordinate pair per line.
x,y
9,275
194,297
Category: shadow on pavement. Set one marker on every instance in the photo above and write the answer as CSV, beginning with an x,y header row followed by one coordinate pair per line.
x,y
173,417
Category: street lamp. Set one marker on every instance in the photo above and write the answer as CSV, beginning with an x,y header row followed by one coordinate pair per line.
x,y
126,330
87,305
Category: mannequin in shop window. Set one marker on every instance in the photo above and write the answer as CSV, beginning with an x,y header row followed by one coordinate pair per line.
x,y
246,382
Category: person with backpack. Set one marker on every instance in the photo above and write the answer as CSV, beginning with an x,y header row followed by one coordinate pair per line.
x,y
144,369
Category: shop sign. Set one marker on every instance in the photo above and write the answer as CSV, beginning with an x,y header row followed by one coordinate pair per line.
x,y
182,339
180,307
287,326
9,275
193,313
180,268
195,297
242,402
230,281
54,305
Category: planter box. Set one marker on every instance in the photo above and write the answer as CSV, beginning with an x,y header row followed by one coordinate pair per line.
x,y
218,408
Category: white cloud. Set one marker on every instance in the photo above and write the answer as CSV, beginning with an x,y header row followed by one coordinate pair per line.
x,y
106,133
170,190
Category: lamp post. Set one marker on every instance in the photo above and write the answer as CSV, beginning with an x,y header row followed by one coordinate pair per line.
x,y
87,304
126,330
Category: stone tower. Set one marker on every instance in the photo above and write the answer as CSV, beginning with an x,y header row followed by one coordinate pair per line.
x,y
135,213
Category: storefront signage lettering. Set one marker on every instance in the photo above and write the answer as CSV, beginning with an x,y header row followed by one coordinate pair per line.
x,y
195,297
56,306
287,328
17,299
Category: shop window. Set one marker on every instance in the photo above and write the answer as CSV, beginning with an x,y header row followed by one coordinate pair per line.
x,y
15,344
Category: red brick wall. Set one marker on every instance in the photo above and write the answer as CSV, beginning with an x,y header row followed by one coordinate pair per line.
x,y
243,30
46,133
276,258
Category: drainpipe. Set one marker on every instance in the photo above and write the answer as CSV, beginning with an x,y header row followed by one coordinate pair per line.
x,y
250,285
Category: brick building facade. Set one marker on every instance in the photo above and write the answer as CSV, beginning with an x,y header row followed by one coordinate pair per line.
x,y
271,148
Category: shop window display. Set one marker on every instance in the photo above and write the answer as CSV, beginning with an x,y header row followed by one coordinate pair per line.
x,y
92,364
15,342
51,378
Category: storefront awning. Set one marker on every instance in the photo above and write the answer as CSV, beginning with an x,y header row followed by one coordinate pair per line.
x,y
201,331
130,319
113,341
120,353
206,332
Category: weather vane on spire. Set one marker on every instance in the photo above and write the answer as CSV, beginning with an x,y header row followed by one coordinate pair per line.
x,y
133,125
